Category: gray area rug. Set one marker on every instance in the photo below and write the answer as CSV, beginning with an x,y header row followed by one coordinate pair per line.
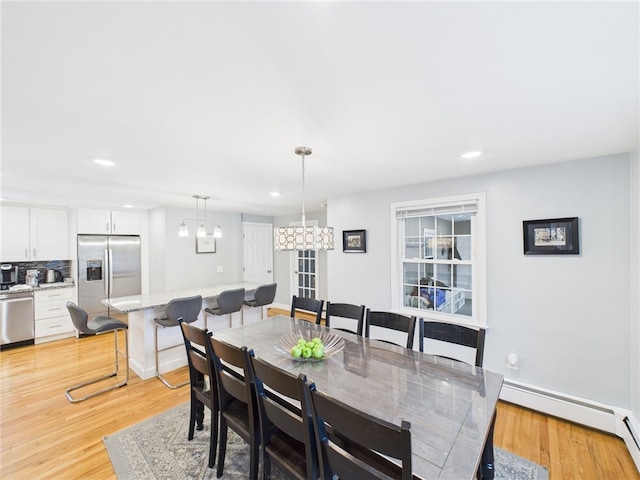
x,y
158,448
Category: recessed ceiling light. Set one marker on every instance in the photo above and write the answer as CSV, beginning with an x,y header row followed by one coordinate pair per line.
x,y
105,162
127,206
275,194
472,154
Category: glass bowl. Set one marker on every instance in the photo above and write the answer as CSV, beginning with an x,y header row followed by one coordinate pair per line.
x,y
333,344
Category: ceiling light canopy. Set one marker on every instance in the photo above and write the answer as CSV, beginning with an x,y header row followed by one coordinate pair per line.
x,y
303,237
183,231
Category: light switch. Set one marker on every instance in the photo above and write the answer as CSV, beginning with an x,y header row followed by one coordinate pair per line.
x,y
220,269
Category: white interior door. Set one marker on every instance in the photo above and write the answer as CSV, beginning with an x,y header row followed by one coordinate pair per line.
x,y
257,248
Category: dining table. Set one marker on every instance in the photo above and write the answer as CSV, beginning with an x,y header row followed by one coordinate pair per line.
x,y
450,405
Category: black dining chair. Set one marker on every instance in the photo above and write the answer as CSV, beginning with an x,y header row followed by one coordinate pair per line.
x,y
203,383
227,303
237,402
391,321
179,309
263,295
98,326
354,314
286,428
353,444
308,305
472,339
453,333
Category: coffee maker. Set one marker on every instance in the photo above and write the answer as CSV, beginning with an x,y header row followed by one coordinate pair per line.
x,y
8,276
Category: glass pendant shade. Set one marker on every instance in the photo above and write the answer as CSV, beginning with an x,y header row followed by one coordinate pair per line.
x,y
183,231
303,238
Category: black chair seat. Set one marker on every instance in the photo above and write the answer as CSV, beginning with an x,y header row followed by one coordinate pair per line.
x,y
290,454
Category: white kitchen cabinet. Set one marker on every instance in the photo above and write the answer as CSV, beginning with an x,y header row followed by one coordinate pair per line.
x,y
34,234
52,319
108,222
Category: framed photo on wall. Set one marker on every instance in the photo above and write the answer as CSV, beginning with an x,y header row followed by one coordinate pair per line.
x,y
354,241
555,236
206,244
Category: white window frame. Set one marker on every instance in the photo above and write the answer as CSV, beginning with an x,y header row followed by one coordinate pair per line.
x,y
478,317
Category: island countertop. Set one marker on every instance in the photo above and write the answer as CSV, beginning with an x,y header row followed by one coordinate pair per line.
x,y
134,303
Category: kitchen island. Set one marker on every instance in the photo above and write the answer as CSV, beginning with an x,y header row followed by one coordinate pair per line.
x,y
141,311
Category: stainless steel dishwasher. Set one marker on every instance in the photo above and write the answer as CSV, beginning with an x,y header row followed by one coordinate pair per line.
x,y
16,319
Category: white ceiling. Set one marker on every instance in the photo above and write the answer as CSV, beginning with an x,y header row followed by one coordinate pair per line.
x,y
211,98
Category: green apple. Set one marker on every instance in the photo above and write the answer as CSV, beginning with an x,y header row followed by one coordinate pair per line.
x,y
296,352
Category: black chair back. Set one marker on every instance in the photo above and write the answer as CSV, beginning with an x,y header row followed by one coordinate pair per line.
x,y
279,410
348,311
392,321
309,305
452,333
236,399
201,365
363,440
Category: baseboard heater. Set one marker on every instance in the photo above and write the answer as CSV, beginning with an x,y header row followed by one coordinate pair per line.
x,y
617,421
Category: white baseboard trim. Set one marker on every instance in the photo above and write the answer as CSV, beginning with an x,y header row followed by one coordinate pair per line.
x,y
614,420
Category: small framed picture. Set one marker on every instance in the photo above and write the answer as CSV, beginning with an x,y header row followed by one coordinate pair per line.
x,y
555,236
354,241
206,244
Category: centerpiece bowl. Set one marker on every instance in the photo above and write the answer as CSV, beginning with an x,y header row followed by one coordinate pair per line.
x,y
333,344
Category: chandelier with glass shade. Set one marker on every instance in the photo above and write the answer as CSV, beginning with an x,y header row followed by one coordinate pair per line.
x,y
183,231
303,237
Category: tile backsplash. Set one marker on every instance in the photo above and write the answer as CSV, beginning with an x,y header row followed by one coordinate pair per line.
x,y
63,265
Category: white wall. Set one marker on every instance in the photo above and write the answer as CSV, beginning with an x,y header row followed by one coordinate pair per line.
x,y
567,317
634,379
173,260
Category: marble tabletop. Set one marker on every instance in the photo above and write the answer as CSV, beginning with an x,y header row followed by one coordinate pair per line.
x,y
449,404
134,303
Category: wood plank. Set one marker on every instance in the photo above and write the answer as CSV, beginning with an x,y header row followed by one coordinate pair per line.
x,y
45,437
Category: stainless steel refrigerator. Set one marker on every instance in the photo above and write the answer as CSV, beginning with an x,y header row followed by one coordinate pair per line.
x,y
108,267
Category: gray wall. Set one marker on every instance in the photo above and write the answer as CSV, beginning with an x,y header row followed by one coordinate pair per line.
x,y
173,262
568,318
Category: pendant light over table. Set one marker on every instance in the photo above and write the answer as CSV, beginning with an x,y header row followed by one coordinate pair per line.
x,y
303,237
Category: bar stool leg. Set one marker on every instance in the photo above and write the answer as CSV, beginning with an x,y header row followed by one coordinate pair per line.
x,y
157,352
104,377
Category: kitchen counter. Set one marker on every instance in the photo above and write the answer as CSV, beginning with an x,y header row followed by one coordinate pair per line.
x,y
135,303
142,309
42,286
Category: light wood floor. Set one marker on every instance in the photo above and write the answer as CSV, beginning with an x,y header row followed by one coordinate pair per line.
x,y
45,437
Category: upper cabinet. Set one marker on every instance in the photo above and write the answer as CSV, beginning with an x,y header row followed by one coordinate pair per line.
x,y
30,234
108,222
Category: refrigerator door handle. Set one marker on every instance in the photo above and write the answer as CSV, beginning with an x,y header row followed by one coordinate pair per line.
x,y
106,269
110,272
